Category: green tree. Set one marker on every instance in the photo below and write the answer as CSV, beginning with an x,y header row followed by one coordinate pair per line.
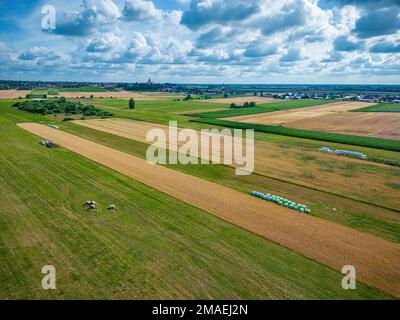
x,y
252,104
188,97
131,103
225,95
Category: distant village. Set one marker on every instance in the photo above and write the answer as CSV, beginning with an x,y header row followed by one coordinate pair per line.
x,y
364,93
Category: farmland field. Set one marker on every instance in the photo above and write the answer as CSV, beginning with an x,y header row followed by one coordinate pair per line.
x,y
83,89
262,108
382,107
13,94
114,94
299,114
378,221
241,100
327,243
370,142
153,246
323,170
373,124
198,157
335,118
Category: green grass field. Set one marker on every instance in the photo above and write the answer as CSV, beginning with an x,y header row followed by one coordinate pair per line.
x,y
261,108
381,107
50,91
154,246
83,89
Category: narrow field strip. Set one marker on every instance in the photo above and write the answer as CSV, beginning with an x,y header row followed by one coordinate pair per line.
x,y
287,116
375,260
263,151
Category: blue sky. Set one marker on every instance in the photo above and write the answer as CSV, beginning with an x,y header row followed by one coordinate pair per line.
x,y
203,41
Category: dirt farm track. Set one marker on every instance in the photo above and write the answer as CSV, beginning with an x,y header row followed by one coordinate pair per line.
x,y
375,260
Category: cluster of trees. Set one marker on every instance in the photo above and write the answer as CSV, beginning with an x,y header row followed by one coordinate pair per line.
x,y
188,97
60,106
251,104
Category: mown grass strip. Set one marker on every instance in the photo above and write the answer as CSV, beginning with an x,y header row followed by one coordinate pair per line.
x,y
378,143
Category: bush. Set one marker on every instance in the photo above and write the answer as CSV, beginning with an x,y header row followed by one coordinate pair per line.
x,y
68,119
131,103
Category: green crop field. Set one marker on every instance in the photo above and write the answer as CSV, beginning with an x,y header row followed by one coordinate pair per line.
x,y
83,89
52,92
381,107
159,111
153,246
261,108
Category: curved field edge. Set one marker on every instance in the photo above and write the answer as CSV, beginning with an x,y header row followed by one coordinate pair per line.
x,y
377,143
153,246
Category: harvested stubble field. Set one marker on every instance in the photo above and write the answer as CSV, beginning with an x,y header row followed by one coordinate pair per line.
x,y
325,242
13,94
288,116
351,177
374,124
242,100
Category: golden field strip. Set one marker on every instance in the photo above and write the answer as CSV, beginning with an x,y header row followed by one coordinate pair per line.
x,y
375,124
284,163
332,117
287,116
376,260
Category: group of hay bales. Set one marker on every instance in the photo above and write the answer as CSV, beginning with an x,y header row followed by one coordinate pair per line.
x,y
92,205
282,201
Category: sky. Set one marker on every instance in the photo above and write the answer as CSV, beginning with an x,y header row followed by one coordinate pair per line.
x,y
202,41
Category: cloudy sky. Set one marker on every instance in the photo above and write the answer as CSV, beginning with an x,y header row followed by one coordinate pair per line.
x,y
202,41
